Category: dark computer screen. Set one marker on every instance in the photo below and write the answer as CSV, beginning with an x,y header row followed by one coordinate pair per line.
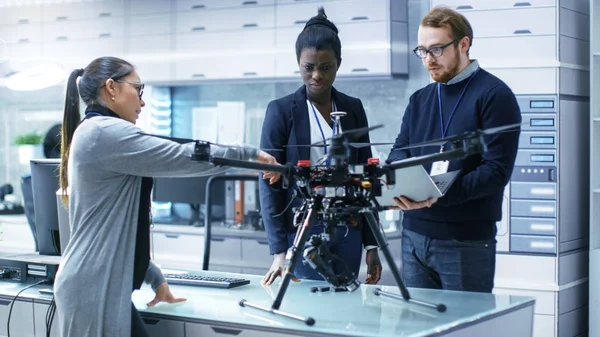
x,y
192,191
44,183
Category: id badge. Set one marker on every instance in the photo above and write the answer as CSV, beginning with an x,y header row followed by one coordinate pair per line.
x,y
439,167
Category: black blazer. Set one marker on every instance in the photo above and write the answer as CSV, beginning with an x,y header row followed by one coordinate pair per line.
x,y
287,123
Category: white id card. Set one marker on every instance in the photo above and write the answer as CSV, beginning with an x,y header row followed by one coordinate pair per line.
x,y
439,167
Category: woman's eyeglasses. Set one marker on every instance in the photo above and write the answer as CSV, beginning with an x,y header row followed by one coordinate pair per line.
x,y
139,86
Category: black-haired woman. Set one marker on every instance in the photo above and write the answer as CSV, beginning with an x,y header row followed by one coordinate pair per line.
x,y
302,118
107,165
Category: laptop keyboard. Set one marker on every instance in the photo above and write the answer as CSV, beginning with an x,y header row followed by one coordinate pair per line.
x,y
441,184
205,281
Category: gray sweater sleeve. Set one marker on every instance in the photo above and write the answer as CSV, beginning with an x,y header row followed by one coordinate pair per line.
x,y
125,150
154,276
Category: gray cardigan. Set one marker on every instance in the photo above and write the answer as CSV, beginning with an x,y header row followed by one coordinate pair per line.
x,y
108,157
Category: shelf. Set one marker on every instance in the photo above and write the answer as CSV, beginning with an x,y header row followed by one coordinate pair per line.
x,y
596,190
596,119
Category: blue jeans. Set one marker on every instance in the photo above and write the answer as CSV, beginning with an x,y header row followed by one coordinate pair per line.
x,y
345,244
448,264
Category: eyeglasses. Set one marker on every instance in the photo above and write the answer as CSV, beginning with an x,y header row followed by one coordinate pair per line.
x,y
139,88
436,51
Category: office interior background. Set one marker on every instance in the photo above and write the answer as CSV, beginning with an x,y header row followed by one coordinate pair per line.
x,y
212,66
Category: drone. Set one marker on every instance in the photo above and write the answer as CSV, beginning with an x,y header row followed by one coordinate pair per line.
x,y
343,193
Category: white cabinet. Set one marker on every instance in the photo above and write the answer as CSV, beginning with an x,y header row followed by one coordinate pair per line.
x,y
78,54
20,15
82,10
255,254
205,55
21,322
137,7
150,54
515,51
227,19
84,29
515,22
148,24
27,33
198,5
495,4
527,80
39,315
338,12
176,250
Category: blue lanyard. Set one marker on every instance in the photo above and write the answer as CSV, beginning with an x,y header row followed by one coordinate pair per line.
x,y
334,108
445,129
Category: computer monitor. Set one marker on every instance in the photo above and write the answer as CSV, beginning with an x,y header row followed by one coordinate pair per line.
x,y
45,183
192,191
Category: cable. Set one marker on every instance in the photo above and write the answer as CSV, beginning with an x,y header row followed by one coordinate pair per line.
x,y
50,316
15,299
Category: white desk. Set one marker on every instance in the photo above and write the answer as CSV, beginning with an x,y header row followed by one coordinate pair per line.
x,y
216,312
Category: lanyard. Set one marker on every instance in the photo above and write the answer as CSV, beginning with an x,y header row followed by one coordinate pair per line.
x,y
445,129
333,108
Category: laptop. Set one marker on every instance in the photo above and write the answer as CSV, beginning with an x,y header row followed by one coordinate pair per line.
x,y
417,185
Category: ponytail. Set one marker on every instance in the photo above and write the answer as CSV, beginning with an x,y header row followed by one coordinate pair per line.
x,y
93,78
71,119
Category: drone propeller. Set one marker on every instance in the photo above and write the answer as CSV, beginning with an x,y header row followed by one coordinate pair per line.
x,y
361,145
187,140
468,134
357,132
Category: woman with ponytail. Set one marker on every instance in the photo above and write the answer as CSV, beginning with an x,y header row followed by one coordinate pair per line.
x,y
107,165
303,118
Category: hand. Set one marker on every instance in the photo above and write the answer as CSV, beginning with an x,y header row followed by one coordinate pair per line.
x,y
373,266
276,270
266,158
163,294
406,205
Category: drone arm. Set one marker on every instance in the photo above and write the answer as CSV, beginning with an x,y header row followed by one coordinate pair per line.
x,y
403,138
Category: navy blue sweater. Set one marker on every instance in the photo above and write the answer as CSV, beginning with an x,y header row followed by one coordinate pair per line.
x,y
473,204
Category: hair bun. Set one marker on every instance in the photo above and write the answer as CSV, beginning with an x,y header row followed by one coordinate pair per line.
x,y
321,19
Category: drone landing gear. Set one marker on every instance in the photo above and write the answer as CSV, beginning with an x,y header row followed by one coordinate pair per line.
x,y
295,252
404,294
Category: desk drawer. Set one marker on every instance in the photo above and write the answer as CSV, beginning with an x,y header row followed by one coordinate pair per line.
x,y
533,244
163,327
538,140
255,253
533,208
529,190
533,226
197,330
225,251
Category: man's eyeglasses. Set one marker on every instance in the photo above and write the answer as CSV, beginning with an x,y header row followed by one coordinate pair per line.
x,y
436,51
139,86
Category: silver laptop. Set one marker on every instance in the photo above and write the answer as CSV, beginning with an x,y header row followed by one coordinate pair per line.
x,y
417,185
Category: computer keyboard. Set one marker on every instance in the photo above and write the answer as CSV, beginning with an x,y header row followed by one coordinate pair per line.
x,y
205,281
